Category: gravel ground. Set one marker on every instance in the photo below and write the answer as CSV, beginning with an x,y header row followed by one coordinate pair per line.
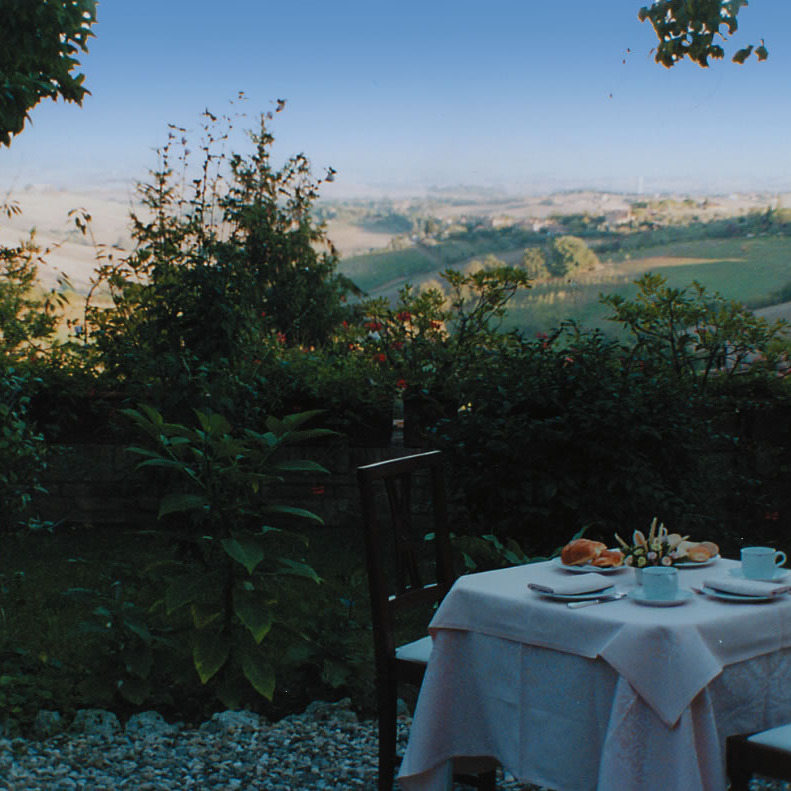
x,y
324,749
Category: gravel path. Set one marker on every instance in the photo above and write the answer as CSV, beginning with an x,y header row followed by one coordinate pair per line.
x,y
324,749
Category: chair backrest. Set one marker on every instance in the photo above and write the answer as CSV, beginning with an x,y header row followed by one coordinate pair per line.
x,y
395,540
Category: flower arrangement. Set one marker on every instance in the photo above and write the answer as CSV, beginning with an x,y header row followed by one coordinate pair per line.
x,y
658,549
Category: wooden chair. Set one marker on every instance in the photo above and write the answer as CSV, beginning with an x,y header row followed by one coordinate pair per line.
x,y
398,582
766,753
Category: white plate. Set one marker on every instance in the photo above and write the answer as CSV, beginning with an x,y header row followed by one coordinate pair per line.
x,y
690,564
735,597
587,568
780,574
639,597
578,596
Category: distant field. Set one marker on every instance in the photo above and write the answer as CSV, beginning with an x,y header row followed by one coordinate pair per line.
x,y
384,272
749,270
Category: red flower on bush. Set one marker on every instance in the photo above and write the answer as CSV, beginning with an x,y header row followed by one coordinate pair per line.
x,y
401,384
374,326
380,358
398,344
404,315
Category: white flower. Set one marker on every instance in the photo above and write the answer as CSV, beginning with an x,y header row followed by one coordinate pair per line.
x,y
666,561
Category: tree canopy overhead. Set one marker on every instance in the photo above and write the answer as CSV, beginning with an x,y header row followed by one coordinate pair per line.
x,y
38,43
687,29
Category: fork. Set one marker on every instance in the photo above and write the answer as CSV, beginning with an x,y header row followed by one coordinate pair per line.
x,y
575,605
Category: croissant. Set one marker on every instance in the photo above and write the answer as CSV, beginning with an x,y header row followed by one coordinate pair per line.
x,y
581,551
609,558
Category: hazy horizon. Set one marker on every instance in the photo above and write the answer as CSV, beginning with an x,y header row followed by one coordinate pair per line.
x,y
527,98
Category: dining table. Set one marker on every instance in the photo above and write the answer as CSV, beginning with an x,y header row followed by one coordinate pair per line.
x,y
618,696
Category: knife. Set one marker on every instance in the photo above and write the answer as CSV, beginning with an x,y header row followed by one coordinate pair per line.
x,y
574,605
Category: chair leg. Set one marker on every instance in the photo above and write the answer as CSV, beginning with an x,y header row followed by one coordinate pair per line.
x,y
388,703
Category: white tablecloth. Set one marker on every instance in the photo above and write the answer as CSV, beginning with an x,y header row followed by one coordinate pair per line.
x,y
616,697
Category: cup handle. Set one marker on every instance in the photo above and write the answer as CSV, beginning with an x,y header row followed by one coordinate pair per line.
x,y
780,558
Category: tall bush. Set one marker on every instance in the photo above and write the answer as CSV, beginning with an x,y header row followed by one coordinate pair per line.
x,y
228,265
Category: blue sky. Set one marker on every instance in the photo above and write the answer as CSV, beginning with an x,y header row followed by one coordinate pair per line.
x,y
521,94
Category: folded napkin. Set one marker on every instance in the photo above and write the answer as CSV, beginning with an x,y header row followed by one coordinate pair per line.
x,y
744,587
583,583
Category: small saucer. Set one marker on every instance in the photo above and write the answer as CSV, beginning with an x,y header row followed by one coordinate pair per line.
x,y
639,597
779,574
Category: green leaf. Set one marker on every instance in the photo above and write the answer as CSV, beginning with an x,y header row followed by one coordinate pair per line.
x,y
209,654
202,615
140,629
292,511
259,673
176,503
168,464
213,423
303,435
184,590
247,551
297,569
135,690
303,465
232,692
743,54
253,611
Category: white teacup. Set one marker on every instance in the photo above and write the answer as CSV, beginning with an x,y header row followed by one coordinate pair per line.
x,y
660,583
761,563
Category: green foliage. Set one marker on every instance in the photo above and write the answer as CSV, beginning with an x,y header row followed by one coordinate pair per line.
x,y
127,640
22,451
38,42
696,334
21,694
219,492
429,337
688,29
569,254
557,433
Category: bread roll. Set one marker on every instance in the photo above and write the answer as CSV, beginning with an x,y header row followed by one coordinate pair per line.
x,y
581,551
608,559
699,554
712,547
